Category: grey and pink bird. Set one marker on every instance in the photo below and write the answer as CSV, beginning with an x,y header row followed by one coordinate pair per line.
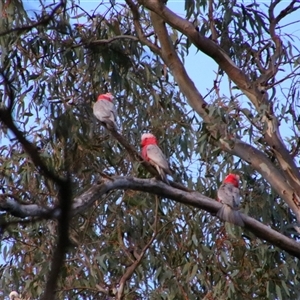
x,y
105,110
153,154
229,196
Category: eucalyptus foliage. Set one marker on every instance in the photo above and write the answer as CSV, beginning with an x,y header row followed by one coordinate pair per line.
x,y
56,59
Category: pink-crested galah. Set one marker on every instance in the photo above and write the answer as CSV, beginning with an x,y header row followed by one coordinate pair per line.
x,y
152,153
105,110
229,196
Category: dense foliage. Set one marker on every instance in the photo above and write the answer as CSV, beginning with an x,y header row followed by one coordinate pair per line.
x,y
54,61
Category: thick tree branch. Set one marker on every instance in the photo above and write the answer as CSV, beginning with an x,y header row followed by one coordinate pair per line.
x,y
11,204
272,135
172,60
195,199
208,47
65,201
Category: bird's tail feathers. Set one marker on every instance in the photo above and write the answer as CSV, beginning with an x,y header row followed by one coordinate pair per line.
x,y
111,125
227,214
163,175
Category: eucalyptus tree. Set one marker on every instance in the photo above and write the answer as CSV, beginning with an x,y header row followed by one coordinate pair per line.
x,y
83,216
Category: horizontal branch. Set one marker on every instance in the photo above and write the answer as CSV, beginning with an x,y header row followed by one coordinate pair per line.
x,y
11,205
114,39
195,199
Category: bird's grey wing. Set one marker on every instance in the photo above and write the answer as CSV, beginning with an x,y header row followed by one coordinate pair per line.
x,y
230,195
106,112
114,114
157,157
102,109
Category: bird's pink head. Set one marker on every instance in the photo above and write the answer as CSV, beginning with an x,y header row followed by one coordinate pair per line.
x,y
233,179
148,139
107,97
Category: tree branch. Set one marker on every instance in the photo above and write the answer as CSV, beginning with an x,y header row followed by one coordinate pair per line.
x,y
113,39
214,33
138,28
45,20
11,204
31,149
9,91
129,271
65,201
195,199
208,47
23,210
177,68
264,166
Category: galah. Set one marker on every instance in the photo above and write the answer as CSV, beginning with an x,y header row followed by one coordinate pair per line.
x,y
105,111
229,196
152,153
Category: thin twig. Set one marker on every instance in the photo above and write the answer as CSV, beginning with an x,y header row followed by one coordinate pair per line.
x,y
9,91
129,271
214,34
44,21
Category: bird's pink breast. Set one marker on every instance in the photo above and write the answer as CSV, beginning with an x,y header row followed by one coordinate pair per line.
x,y
144,152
